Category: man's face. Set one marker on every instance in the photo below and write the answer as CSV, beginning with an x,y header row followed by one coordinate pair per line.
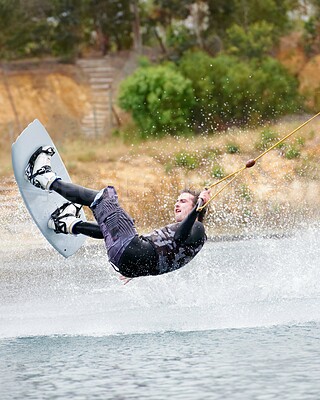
x,y
183,206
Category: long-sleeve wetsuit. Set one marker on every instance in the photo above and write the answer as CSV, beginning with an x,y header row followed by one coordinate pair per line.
x,y
161,251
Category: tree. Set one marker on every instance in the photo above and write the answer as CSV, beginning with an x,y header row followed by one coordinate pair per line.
x,y
15,29
228,90
112,20
136,27
312,28
163,20
204,23
66,33
254,42
168,10
275,12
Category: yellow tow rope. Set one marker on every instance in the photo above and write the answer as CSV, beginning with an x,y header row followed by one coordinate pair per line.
x,y
249,164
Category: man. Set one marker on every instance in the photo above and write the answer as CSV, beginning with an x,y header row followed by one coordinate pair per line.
x,y
161,251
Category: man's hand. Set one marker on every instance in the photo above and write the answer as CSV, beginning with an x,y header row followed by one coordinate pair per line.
x,y
205,195
124,279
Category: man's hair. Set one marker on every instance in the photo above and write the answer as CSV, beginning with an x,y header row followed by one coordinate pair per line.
x,y
195,195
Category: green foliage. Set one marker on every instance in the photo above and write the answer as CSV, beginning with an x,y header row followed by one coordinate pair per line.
x,y
144,62
292,152
311,35
63,27
217,172
244,192
300,141
232,148
179,39
66,28
112,19
211,153
278,89
129,134
228,90
159,99
203,92
203,83
187,160
220,15
254,42
272,11
36,28
173,8
15,29
224,15
267,139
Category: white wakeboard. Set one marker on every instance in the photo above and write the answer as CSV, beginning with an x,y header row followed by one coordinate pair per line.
x,y
41,204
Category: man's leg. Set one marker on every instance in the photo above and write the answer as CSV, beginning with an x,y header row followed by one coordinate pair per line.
x,y
88,229
74,193
115,224
40,174
66,219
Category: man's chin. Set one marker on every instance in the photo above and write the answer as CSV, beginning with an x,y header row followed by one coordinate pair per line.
x,y
178,217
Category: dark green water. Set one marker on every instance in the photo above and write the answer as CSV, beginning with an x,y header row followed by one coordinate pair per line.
x,y
242,321
279,362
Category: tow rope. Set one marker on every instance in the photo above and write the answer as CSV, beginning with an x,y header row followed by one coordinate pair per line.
x,y
250,163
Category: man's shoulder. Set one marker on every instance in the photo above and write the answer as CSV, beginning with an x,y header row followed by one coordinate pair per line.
x,y
198,225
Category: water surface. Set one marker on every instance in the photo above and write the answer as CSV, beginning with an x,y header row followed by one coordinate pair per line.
x,y
240,322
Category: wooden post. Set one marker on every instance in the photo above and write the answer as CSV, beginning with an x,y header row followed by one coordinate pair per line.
x,y
136,27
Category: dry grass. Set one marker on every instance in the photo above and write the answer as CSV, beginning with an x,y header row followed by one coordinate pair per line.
x,y
148,176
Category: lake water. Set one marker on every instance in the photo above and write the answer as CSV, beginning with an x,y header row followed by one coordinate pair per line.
x,y
242,321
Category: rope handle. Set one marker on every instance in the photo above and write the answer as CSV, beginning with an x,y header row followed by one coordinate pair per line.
x,y
249,164
200,202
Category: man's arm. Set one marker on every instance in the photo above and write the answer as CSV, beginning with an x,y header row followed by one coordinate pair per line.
x,y
185,228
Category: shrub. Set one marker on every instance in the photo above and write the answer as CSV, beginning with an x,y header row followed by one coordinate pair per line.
x,y
159,99
254,42
292,152
277,90
300,141
267,139
232,148
187,160
218,172
229,90
178,40
203,85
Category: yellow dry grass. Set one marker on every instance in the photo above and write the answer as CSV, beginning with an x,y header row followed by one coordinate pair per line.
x,y
148,178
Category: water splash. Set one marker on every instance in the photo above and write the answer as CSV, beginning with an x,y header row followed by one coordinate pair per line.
x,y
230,284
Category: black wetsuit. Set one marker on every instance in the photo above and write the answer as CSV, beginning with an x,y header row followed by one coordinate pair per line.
x,y
161,251
165,249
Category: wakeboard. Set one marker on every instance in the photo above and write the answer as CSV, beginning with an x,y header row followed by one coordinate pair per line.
x,y
40,203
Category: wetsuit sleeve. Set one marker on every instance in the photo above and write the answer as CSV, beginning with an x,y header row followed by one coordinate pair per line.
x,y
189,230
